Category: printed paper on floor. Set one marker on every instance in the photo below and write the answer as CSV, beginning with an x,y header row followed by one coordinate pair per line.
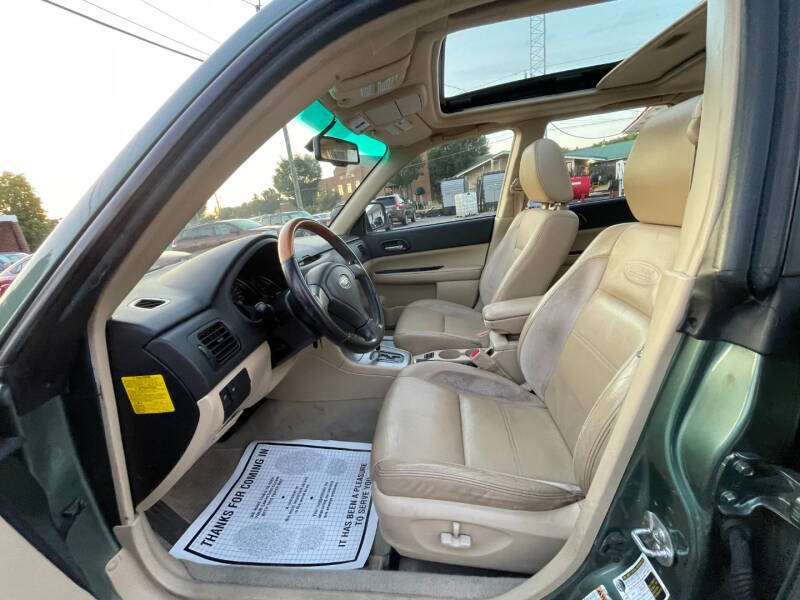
x,y
302,503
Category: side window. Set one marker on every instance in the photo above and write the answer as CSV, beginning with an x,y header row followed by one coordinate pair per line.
x,y
456,180
223,229
596,149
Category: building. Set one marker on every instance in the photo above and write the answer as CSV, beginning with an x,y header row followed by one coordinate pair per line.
x,y
581,160
488,163
11,236
344,181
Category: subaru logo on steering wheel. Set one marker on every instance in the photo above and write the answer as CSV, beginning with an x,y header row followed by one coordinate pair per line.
x,y
344,282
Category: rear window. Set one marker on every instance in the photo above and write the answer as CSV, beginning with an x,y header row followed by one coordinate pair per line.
x,y
385,200
587,37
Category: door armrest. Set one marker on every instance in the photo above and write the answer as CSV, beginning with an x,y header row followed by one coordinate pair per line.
x,y
509,316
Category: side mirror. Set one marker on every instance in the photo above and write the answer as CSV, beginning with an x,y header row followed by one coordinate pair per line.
x,y
335,151
377,218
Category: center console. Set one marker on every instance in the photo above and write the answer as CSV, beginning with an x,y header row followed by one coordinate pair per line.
x,y
450,355
505,321
387,355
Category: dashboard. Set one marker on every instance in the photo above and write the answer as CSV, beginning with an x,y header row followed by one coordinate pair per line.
x,y
195,324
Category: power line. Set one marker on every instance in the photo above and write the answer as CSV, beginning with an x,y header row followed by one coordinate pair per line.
x,y
585,137
145,27
177,20
119,30
591,124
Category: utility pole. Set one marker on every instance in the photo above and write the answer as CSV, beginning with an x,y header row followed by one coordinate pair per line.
x,y
298,199
538,56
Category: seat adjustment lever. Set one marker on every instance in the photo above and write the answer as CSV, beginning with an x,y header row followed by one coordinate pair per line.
x,y
454,538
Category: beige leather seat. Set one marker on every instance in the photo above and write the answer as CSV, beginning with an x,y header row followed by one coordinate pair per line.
x,y
523,264
470,468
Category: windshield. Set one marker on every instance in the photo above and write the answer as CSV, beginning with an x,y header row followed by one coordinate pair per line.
x,y
268,190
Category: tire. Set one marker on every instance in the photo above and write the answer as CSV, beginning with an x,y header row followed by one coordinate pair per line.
x,y
389,225
414,217
406,219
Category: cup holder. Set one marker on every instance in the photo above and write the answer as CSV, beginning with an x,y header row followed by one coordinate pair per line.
x,y
451,354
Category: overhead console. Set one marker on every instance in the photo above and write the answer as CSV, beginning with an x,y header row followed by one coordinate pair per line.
x,y
395,115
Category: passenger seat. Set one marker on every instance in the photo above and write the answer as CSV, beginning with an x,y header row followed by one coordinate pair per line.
x,y
522,265
470,468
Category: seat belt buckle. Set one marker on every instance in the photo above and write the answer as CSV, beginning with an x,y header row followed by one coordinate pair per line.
x,y
483,358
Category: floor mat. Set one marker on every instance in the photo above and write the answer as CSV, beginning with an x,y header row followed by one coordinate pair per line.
x,y
302,503
166,522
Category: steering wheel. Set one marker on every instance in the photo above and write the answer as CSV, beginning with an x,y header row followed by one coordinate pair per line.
x,y
337,297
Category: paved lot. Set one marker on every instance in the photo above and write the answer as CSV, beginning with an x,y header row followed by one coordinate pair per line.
x,y
433,220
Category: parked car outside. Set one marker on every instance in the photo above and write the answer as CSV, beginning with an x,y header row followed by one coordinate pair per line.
x,y
334,211
321,217
399,209
208,235
9,258
10,272
284,217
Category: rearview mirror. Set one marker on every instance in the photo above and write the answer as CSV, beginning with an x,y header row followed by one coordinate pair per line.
x,y
335,151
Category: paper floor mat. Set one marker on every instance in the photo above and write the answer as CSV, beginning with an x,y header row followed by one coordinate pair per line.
x,y
302,503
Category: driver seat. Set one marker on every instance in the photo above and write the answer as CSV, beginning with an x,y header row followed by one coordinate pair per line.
x,y
470,468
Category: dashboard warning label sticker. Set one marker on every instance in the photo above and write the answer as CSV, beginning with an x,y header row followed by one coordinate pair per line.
x,y
641,582
148,394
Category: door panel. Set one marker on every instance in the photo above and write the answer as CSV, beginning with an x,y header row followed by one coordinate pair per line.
x,y
447,272
420,238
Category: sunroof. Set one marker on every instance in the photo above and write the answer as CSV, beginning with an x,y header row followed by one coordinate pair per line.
x,y
541,45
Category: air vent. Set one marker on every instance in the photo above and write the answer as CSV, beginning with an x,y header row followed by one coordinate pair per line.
x,y
217,343
362,250
149,302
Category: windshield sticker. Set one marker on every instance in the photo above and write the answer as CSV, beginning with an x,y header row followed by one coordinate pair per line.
x,y
641,582
599,593
148,394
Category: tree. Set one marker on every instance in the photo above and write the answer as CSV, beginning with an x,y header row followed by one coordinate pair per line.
x,y
308,175
405,176
326,200
268,202
448,159
18,198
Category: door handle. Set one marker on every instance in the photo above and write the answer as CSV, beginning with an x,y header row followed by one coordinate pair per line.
x,y
395,246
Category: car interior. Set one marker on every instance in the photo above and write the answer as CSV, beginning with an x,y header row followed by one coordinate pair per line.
x,y
501,365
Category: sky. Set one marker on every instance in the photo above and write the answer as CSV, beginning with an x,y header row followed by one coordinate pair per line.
x,y
75,93
587,35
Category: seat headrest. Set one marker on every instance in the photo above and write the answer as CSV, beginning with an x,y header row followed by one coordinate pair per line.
x,y
658,173
543,173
